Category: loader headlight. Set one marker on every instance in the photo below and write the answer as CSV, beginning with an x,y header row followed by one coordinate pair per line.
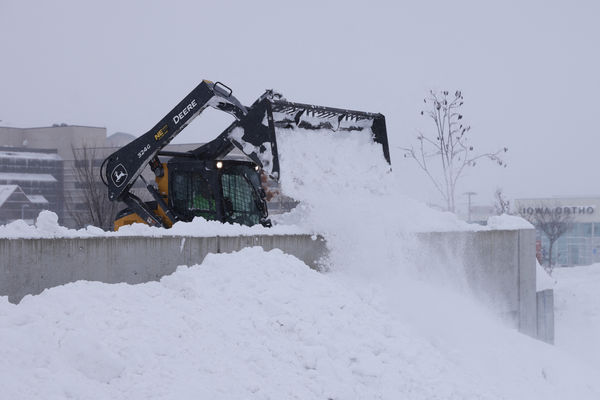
x,y
219,164
256,168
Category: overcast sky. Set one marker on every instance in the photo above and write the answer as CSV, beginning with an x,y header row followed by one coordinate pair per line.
x,y
529,72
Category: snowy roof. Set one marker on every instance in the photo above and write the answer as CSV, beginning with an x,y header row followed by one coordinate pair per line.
x,y
37,198
12,176
29,155
6,191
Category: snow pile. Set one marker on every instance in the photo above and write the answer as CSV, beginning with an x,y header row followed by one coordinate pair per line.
x,y
577,305
256,325
46,226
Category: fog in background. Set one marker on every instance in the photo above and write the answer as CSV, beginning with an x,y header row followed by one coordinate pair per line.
x,y
529,72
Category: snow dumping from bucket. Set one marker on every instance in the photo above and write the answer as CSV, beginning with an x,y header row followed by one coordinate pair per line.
x,y
347,192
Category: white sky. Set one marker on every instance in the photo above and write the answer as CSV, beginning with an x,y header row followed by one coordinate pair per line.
x,y
529,71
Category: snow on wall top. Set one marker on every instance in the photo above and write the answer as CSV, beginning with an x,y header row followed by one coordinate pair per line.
x,y
508,222
47,226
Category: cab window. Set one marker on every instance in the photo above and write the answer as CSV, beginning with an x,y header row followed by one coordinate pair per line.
x,y
192,196
239,198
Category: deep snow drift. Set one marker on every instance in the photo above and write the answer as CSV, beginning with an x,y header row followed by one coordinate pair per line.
x,y
263,325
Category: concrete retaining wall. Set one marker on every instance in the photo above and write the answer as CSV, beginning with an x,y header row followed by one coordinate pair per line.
x,y
28,266
545,312
499,267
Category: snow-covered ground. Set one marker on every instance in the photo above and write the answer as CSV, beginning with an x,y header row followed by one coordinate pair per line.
x,y
262,325
577,305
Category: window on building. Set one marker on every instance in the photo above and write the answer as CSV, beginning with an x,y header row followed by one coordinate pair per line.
x,y
597,229
582,230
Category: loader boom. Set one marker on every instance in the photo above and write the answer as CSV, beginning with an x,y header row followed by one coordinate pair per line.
x,y
125,165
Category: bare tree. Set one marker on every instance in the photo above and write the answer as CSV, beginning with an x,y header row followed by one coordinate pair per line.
x,y
448,145
89,203
553,222
501,204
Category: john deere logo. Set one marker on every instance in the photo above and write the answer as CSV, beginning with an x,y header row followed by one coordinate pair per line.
x,y
119,175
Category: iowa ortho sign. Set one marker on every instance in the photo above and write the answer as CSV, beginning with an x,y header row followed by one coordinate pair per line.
x,y
575,210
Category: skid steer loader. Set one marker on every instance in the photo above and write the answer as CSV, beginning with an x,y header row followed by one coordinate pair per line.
x,y
204,182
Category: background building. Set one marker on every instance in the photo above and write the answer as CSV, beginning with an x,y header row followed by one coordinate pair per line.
x,y
30,181
40,161
580,245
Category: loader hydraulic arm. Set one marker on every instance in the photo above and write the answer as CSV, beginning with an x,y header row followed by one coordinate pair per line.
x,y
123,167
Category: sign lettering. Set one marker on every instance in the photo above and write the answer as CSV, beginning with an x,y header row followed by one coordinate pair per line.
x,y
575,210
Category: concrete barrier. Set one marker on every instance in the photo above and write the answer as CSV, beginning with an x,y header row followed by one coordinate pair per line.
x,y
28,266
499,268
545,312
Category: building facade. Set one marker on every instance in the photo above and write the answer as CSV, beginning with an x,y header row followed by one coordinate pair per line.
x,y
41,161
31,181
580,245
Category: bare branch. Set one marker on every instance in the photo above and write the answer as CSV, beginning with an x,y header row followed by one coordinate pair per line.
x,y
448,144
554,221
501,205
89,204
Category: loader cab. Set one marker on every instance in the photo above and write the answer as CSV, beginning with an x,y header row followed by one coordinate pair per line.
x,y
224,190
